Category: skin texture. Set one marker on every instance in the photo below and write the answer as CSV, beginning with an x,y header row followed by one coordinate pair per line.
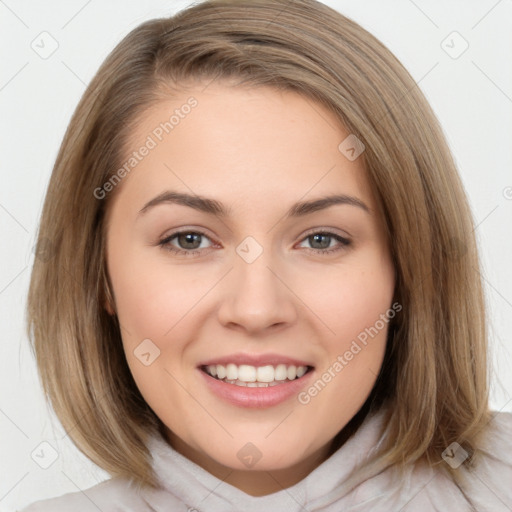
x,y
257,151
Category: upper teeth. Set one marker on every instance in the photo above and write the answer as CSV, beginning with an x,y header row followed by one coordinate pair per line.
x,y
247,373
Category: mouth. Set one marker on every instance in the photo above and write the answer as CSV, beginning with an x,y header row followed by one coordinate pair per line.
x,y
256,381
245,375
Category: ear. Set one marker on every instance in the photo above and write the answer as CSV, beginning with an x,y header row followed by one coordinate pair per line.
x,y
108,301
108,307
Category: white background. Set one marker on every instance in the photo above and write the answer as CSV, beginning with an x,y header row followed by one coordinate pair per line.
x,y
471,95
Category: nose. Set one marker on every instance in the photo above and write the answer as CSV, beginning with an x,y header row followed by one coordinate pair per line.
x,y
256,296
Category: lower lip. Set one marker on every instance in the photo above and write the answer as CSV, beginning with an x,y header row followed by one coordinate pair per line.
x,y
257,398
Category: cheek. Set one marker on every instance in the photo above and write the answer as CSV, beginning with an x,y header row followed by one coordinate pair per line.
x,y
150,302
154,302
355,304
150,297
347,300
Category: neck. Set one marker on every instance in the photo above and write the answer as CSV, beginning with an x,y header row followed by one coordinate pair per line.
x,y
252,482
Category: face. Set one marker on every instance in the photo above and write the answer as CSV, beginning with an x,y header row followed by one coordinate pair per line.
x,y
216,268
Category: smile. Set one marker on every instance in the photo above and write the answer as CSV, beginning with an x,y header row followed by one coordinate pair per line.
x,y
255,376
249,386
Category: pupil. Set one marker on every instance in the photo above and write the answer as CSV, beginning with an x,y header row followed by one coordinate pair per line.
x,y
189,238
323,245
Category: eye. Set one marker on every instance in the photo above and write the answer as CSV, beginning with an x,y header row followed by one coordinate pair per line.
x,y
189,242
322,240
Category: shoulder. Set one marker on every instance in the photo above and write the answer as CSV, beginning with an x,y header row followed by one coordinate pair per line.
x,y
114,495
485,485
487,482
496,446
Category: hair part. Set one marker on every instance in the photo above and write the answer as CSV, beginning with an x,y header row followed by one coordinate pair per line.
x,y
434,377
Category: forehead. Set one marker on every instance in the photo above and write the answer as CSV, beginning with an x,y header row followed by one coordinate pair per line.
x,y
253,146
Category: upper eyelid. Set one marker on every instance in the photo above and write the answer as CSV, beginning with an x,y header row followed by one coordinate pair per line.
x,y
185,231
330,231
308,233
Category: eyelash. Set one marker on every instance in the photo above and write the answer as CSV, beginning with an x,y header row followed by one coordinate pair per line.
x,y
165,243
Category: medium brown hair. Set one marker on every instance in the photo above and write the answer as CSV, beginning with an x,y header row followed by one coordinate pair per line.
x,y
434,375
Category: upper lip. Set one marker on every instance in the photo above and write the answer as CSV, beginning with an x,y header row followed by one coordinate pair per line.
x,y
255,360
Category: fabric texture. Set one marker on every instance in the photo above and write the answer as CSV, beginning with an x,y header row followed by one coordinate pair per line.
x,y
187,487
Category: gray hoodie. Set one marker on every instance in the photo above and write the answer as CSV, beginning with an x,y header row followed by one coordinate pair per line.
x,y
187,487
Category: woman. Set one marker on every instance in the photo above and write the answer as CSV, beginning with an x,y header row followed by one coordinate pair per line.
x,y
324,345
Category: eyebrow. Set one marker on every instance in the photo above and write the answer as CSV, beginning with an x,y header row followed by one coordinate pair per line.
x,y
213,207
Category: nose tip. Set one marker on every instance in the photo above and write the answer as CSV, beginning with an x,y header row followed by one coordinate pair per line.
x,y
254,297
